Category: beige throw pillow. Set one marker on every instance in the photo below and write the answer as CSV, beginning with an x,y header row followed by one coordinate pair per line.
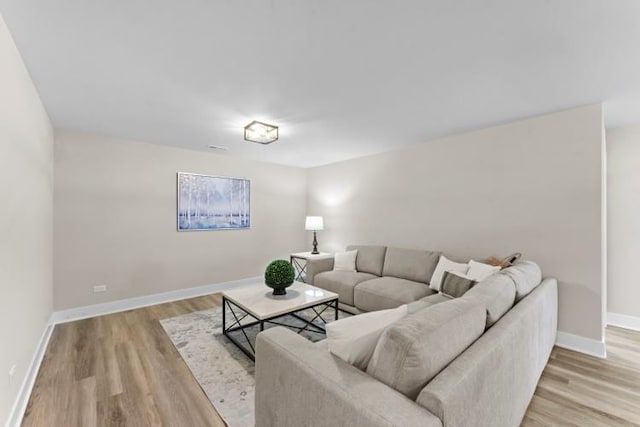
x,y
345,261
479,271
353,339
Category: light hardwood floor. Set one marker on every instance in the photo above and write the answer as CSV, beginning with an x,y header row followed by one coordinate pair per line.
x,y
122,370
578,390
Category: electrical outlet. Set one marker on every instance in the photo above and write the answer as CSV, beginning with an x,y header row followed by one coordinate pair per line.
x,y
99,288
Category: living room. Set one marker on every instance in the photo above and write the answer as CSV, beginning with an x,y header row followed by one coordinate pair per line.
x,y
430,131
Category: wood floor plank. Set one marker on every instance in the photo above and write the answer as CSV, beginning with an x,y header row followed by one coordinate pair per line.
x,y
122,370
86,402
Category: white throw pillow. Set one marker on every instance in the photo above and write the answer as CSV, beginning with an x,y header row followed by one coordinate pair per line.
x,y
355,338
445,264
479,271
345,261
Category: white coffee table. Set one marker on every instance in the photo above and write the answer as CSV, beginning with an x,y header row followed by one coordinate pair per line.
x,y
258,302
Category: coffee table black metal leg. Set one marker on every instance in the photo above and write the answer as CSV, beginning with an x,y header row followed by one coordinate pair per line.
x,y
224,316
261,326
336,310
250,353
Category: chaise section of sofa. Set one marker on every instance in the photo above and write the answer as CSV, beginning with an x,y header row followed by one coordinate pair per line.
x,y
299,383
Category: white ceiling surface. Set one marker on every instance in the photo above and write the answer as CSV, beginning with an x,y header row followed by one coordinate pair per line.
x,y
342,78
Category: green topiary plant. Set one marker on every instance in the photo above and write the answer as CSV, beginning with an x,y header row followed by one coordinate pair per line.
x,y
279,275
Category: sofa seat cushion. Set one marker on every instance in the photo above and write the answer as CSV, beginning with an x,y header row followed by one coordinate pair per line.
x,y
370,258
496,293
341,282
388,292
417,347
410,264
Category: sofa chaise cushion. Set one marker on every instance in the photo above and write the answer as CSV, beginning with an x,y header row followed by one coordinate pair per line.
x,y
416,348
370,259
410,264
342,283
387,292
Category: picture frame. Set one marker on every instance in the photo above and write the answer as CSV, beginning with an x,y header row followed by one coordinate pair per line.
x,y
208,202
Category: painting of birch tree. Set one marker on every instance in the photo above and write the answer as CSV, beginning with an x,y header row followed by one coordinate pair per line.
x,y
213,203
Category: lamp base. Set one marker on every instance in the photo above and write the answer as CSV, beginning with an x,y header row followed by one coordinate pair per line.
x,y
315,245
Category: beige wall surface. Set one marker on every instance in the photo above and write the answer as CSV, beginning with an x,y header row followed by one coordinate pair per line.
x,y
115,220
26,194
532,186
623,152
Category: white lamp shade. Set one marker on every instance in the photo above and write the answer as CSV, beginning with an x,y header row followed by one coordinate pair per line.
x,y
314,223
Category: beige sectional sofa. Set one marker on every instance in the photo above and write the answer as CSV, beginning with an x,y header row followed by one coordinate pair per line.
x,y
463,362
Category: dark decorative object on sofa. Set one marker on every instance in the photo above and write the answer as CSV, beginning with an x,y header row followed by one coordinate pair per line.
x,y
505,262
279,275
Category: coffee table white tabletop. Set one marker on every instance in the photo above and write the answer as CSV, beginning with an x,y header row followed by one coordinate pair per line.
x,y
259,301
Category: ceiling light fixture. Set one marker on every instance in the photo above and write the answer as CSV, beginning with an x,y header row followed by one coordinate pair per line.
x,y
259,132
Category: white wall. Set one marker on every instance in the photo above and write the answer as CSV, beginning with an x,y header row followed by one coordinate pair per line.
x,y
26,195
115,220
623,146
532,186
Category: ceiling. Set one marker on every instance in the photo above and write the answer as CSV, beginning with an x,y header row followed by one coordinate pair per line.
x,y
341,78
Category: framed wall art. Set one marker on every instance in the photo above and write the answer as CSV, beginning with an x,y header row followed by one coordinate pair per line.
x,y
213,202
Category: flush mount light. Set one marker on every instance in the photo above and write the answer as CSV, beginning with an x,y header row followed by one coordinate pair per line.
x,y
259,132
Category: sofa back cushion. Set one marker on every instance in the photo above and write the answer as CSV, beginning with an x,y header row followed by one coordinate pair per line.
x,y
370,259
417,347
496,293
526,275
410,264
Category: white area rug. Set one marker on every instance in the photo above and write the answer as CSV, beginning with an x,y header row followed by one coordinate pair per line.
x,y
223,371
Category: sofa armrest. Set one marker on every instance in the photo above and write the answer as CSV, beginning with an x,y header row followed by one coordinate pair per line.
x,y
318,265
299,383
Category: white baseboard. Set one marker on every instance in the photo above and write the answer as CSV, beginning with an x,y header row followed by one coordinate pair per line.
x,y
623,321
20,404
581,344
88,311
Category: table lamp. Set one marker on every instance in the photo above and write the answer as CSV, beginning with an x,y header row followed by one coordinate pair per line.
x,y
314,223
